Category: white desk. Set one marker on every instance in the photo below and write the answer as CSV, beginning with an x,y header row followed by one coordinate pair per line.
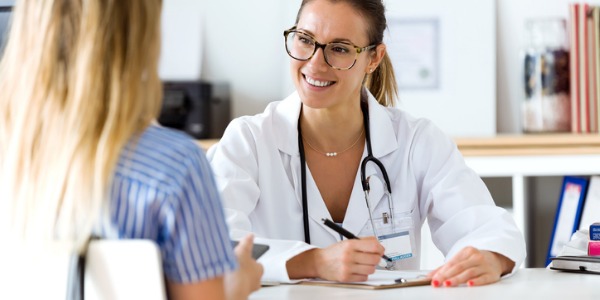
x,y
526,284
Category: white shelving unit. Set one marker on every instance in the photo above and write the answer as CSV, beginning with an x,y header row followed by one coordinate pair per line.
x,y
520,167
522,157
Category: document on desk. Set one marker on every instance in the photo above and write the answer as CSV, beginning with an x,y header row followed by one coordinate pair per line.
x,y
381,279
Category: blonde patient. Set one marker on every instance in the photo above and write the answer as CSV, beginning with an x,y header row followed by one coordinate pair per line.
x,y
80,156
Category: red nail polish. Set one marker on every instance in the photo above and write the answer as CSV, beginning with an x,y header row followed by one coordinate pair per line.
x,y
470,283
435,283
447,283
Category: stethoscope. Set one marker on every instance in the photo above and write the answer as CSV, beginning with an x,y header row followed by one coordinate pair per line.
x,y
364,180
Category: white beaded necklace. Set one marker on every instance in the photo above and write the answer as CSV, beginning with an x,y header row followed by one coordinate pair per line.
x,y
334,154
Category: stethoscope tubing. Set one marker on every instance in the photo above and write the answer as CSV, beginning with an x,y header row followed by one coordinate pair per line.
x,y
363,179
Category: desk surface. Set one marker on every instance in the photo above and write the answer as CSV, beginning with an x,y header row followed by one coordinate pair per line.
x,y
532,283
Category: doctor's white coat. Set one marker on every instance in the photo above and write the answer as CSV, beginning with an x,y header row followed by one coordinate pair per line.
x,y
257,170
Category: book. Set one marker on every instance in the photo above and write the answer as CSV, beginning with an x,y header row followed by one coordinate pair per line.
x,y
592,88
596,84
591,205
594,248
579,264
568,214
584,79
574,66
595,231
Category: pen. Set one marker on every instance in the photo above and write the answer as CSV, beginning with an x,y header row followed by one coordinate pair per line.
x,y
400,280
347,234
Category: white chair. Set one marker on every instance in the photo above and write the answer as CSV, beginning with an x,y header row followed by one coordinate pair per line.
x,y
124,269
115,269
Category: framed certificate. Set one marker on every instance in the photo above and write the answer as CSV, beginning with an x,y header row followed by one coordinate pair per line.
x,y
416,45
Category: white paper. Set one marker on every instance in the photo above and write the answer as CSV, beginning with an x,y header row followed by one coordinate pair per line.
x,y
566,217
382,277
591,209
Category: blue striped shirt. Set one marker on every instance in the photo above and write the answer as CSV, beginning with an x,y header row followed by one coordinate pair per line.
x,y
163,190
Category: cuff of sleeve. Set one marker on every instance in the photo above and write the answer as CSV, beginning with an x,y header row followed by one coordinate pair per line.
x,y
275,259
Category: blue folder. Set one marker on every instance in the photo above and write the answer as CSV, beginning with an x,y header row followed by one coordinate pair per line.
x,y
568,214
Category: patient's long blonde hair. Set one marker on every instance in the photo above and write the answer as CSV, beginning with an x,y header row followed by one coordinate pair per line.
x,y
78,79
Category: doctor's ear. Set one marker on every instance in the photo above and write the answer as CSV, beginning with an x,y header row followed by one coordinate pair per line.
x,y
376,56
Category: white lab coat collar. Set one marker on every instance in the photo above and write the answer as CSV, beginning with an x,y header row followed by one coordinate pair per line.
x,y
285,124
383,142
285,121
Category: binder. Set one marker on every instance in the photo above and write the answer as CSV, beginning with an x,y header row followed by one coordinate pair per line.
x,y
568,213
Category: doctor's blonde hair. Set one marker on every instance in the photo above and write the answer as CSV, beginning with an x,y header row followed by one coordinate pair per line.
x,y
382,82
78,80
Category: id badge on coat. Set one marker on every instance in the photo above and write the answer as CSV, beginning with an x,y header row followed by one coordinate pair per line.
x,y
393,227
395,233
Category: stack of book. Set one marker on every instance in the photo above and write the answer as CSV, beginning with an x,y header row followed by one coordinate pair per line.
x,y
581,263
584,20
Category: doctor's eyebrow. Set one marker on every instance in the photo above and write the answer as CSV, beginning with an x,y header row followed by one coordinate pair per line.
x,y
336,40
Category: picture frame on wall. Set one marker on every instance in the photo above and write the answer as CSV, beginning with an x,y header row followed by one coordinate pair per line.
x,y
416,46
444,57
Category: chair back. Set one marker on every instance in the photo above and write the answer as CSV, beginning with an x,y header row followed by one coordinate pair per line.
x,y
114,269
124,269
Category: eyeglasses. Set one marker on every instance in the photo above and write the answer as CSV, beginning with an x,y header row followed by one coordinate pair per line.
x,y
338,55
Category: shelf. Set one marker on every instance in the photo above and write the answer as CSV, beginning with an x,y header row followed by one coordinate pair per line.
x,y
515,145
530,144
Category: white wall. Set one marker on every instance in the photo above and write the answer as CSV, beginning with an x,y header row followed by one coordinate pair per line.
x,y
462,103
242,44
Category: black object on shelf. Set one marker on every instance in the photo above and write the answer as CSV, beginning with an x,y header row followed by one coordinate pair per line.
x,y
199,108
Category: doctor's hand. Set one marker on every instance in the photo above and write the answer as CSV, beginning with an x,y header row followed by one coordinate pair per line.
x,y
473,267
345,261
246,279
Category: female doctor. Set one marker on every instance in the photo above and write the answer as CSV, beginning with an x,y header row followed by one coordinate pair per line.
x,y
336,149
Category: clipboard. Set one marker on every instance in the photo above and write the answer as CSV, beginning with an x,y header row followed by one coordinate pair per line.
x,y
381,279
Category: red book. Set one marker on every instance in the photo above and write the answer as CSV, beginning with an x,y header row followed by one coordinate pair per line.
x,y
594,248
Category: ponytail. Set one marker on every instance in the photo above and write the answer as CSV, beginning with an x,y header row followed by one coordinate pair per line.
x,y
382,83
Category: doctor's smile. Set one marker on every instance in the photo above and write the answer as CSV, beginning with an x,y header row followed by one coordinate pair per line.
x,y
318,83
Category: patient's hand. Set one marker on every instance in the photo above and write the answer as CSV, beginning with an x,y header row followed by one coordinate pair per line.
x,y
245,280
